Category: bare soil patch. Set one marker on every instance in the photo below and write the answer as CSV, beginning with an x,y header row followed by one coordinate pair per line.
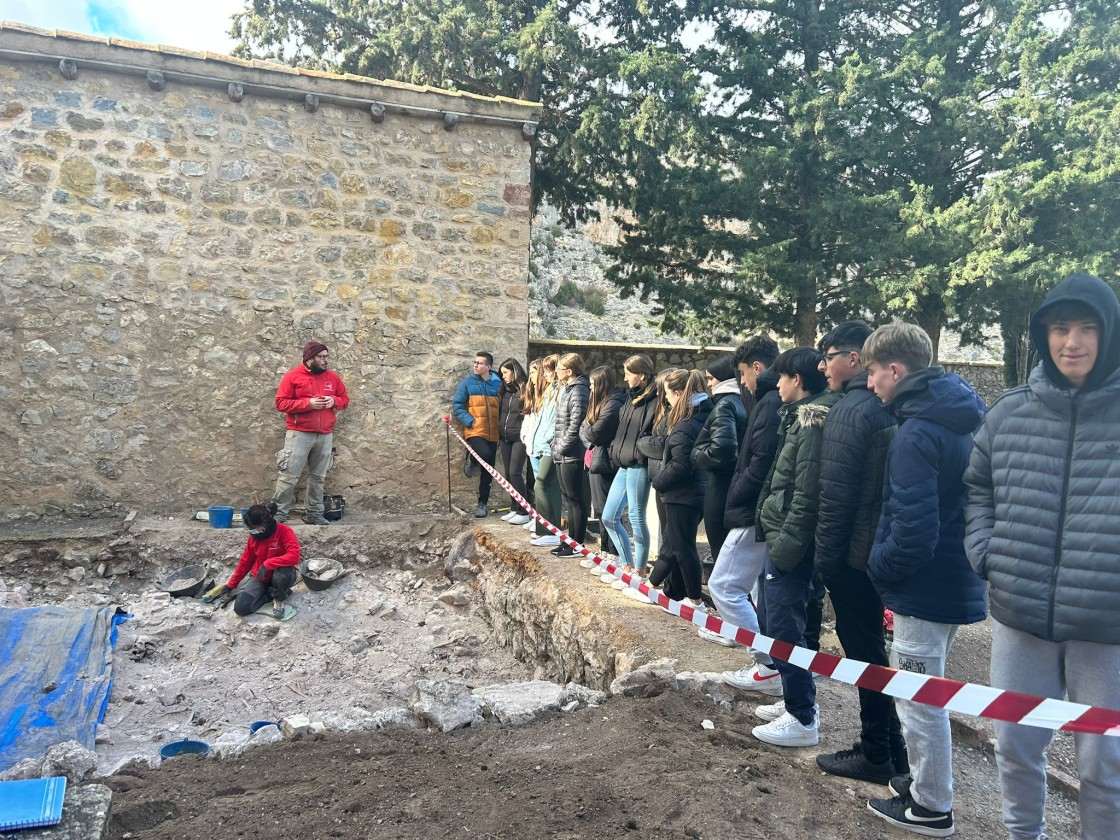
x,y
630,768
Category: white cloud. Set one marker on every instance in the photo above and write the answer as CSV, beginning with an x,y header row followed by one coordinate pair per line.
x,y
194,25
48,14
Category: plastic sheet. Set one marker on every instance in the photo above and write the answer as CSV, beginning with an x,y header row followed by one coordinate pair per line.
x,y
55,677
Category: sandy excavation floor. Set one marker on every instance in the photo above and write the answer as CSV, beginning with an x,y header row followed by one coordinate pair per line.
x,y
184,669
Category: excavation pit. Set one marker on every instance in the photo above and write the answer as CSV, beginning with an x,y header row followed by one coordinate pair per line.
x,y
426,600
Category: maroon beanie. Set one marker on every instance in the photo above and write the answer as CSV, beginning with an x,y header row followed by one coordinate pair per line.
x,y
312,349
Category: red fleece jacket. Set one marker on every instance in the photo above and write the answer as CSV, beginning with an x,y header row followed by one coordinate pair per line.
x,y
279,550
293,397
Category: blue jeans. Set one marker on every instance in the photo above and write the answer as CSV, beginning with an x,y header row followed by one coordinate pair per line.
x,y
787,605
629,492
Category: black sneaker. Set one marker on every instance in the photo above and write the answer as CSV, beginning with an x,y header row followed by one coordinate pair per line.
x,y
564,550
853,764
900,785
316,520
470,467
902,811
898,757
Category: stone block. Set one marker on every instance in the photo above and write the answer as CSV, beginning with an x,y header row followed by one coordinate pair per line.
x,y
69,759
85,816
295,726
457,596
521,703
584,695
27,768
445,705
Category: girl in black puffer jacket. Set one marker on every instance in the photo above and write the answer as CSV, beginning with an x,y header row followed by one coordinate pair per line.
x,y
511,413
568,450
681,487
717,447
597,432
630,489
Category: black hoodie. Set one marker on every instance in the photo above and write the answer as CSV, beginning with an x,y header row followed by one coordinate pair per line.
x,y
1095,294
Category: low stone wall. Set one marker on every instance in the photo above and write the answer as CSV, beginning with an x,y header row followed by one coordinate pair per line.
x,y
985,377
596,353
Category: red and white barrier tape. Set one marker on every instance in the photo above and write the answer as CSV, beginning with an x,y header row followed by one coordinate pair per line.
x,y
966,698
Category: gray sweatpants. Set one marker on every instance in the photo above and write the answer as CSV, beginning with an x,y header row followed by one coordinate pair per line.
x,y
1084,672
302,449
735,575
922,647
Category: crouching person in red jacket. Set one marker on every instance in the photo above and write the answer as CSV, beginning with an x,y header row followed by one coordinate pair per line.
x,y
270,559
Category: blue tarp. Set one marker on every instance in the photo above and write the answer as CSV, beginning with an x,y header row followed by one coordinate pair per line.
x,y
55,676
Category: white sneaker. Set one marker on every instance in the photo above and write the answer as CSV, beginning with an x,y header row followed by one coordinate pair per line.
x,y
787,731
530,525
597,571
607,578
701,608
760,678
587,563
547,539
708,636
520,519
635,595
507,517
619,584
771,712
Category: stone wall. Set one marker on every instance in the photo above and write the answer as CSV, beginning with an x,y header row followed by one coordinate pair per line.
x,y
168,243
985,377
597,353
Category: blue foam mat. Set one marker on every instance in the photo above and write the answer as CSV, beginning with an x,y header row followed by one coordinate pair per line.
x,y
55,677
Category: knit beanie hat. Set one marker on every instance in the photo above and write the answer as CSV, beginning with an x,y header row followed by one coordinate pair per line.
x,y
312,349
722,367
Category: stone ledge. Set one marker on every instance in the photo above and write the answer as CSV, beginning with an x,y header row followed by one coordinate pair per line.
x,y
85,816
31,43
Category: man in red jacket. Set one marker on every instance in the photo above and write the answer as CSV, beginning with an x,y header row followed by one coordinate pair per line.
x,y
310,395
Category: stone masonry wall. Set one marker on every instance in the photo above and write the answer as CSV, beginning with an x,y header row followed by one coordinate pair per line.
x,y
164,255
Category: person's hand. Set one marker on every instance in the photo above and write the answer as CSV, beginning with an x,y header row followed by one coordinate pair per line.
x,y
215,593
262,574
329,402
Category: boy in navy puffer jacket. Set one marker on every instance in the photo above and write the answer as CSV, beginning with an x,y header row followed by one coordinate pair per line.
x,y
918,562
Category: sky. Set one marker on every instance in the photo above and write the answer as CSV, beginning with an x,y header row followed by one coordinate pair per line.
x,y
191,24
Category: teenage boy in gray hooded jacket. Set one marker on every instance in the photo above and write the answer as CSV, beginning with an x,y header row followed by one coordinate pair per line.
x,y
1043,527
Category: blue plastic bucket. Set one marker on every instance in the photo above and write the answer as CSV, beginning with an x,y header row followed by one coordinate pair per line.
x,y
221,516
261,724
184,747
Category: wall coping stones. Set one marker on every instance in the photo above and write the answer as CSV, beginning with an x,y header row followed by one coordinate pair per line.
x,y
267,78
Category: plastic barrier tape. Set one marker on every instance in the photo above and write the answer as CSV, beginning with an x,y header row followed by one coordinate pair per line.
x,y
944,693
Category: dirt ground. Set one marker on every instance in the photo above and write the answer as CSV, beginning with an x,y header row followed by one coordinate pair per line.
x,y
630,768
